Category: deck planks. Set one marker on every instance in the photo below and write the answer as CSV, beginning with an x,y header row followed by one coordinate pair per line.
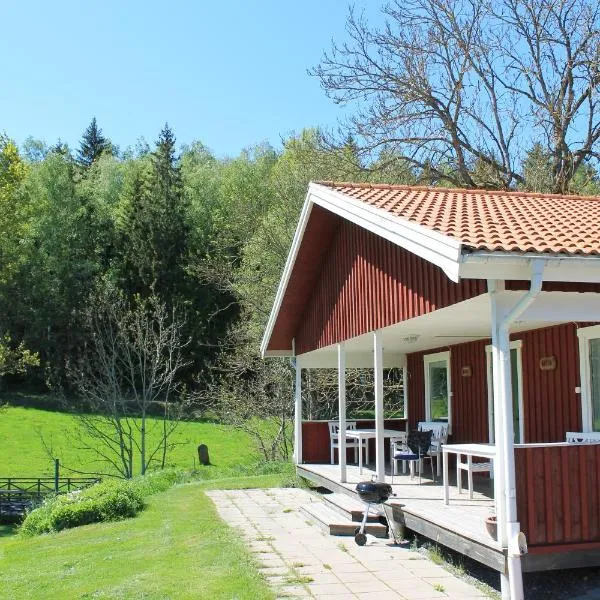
x,y
460,525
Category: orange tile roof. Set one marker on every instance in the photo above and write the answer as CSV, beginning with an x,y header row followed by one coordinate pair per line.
x,y
491,220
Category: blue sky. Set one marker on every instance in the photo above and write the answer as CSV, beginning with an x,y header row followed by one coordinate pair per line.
x,y
230,73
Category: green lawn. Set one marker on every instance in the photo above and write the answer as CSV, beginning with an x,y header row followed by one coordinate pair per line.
x,y
177,548
22,452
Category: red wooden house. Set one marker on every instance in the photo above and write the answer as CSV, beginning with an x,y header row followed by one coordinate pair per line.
x,y
495,294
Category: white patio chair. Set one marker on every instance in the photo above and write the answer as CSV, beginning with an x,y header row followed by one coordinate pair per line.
x,y
334,440
583,437
397,445
439,437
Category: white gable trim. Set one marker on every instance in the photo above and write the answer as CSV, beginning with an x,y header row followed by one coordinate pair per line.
x,y
434,247
285,278
430,245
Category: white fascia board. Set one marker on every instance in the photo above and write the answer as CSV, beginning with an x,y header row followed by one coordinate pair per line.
x,y
285,278
277,353
517,266
326,359
432,246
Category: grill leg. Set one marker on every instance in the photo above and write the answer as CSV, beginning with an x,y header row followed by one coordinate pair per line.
x,y
359,537
365,517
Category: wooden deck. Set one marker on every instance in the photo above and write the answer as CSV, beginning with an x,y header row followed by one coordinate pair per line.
x,y
459,526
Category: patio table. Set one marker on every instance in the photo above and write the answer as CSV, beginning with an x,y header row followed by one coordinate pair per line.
x,y
367,434
468,450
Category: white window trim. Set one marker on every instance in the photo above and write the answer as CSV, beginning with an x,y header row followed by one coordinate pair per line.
x,y
431,358
585,334
518,346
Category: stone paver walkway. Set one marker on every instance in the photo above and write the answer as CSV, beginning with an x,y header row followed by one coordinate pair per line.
x,y
302,561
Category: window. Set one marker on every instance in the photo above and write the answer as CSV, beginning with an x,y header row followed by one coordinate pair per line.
x,y
438,405
589,364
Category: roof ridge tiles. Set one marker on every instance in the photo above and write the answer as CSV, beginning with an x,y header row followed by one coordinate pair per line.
x,y
436,190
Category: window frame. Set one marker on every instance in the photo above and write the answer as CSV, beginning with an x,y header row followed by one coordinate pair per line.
x,y
427,360
585,335
489,375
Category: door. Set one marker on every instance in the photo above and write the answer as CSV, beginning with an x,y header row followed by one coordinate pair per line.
x,y
517,391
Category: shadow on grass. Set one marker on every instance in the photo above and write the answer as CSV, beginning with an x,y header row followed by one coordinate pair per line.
x,y
8,529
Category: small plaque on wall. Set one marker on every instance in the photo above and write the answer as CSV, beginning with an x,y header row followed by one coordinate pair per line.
x,y
466,371
548,363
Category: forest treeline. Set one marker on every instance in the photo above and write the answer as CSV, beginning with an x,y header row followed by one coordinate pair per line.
x,y
207,236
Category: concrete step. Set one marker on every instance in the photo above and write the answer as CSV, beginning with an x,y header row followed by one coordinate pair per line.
x,y
333,523
350,508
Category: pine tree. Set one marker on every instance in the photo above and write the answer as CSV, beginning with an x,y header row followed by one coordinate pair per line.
x,y
157,228
93,143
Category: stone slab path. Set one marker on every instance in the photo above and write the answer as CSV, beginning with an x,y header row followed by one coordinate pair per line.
x,y
301,561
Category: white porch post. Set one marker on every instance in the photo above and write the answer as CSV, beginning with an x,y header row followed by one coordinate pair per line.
x,y
341,355
508,529
499,429
378,378
298,415
405,391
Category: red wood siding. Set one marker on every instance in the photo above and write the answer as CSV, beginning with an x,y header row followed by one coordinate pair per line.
x,y
318,234
315,440
469,399
558,494
555,286
367,283
550,405
416,388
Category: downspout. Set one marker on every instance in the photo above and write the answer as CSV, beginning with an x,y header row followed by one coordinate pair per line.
x,y
516,543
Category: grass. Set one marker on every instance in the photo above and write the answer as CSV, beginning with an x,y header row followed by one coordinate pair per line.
x,y
177,548
22,452
299,579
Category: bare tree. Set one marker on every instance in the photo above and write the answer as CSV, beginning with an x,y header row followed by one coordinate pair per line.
x,y
462,89
251,394
127,369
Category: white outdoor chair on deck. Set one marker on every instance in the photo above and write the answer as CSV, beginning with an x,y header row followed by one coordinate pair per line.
x,y
398,445
334,440
439,437
583,437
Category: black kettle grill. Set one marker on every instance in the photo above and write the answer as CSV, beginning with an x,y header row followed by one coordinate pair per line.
x,y
370,492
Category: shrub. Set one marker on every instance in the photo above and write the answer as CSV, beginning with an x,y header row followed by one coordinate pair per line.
x,y
106,501
110,500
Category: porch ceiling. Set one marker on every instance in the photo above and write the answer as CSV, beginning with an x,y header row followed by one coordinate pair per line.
x,y
462,322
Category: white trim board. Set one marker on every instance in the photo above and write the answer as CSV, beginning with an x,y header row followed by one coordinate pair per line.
x,y
285,278
585,334
514,345
427,360
437,248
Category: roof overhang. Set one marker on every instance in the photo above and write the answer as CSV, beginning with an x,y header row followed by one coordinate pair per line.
x,y
466,321
517,266
449,254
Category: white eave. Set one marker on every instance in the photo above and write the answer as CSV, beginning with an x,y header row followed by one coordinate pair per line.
x,y
517,266
448,253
